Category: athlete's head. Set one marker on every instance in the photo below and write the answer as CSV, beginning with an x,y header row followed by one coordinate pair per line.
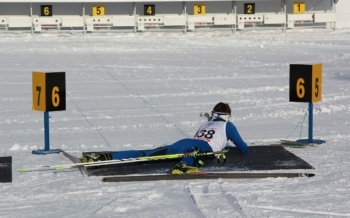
x,y
221,110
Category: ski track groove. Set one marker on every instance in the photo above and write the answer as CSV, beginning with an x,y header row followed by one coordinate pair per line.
x,y
104,206
195,202
235,205
39,183
302,212
203,197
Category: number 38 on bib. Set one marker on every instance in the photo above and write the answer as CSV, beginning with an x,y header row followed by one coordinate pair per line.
x,y
305,83
49,91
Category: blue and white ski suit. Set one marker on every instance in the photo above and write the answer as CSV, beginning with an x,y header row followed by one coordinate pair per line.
x,y
211,136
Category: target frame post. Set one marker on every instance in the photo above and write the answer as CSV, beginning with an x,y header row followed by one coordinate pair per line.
x,y
305,85
48,94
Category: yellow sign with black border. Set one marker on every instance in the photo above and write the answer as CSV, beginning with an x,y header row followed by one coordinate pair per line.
x,y
199,9
299,7
98,10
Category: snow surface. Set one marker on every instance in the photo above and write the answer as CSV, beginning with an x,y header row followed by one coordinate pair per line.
x,y
144,90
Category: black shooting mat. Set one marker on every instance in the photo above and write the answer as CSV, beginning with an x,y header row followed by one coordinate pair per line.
x,y
263,157
5,169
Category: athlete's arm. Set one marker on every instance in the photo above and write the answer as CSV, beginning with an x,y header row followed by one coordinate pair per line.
x,y
233,135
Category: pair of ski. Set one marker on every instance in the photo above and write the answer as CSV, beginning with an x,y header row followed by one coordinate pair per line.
x,y
77,163
209,175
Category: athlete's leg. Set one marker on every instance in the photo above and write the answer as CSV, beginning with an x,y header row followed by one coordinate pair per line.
x,y
189,145
138,153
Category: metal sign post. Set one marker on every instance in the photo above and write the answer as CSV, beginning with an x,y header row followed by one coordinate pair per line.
x,y
305,85
49,94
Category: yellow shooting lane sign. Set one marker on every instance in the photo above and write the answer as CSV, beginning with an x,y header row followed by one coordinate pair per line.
x,y
305,83
299,7
199,9
48,94
98,10
48,91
